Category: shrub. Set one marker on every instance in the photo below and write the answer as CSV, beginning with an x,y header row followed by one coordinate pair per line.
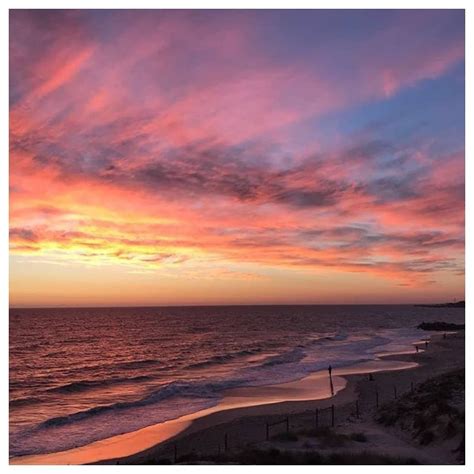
x,y
285,437
359,437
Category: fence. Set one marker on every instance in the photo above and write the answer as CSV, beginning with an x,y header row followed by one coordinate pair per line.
x,y
370,397
269,425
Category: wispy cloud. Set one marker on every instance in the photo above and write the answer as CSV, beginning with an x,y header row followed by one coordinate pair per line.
x,y
160,139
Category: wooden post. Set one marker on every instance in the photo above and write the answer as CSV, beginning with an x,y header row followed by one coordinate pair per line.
x,y
287,425
175,453
226,446
267,431
357,408
377,398
317,417
332,416
395,391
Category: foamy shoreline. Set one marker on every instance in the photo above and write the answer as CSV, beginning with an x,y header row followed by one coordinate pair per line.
x,y
311,391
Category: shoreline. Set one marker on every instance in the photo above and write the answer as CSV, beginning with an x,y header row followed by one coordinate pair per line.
x,y
272,411
243,401
239,404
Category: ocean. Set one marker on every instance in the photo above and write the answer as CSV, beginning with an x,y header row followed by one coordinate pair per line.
x,y
78,375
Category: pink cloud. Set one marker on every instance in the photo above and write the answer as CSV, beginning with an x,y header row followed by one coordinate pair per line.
x,y
188,139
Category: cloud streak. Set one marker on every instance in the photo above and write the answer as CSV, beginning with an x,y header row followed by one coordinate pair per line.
x,y
154,140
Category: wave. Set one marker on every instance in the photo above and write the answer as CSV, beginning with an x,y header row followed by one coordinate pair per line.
x,y
261,374
136,364
293,355
82,385
221,359
55,354
336,337
112,366
209,390
20,402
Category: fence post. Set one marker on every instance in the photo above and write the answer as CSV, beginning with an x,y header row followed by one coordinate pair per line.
x,y
317,417
175,453
267,431
395,391
226,446
332,416
357,408
287,425
377,398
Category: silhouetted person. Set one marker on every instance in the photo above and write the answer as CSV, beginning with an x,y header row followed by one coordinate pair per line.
x,y
371,377
444,336
416,347
426,344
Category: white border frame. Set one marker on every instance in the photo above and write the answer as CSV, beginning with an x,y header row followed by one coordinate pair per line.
x,y
213,4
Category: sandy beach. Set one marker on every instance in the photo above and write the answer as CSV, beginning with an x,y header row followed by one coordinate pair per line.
x,y
241,418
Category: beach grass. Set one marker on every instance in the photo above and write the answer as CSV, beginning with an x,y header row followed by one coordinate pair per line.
x,y
276,456
433,413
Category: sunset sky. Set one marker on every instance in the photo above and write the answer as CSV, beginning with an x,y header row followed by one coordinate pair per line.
x,y
225,157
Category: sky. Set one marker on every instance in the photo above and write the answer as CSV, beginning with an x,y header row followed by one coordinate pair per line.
x,y
236,157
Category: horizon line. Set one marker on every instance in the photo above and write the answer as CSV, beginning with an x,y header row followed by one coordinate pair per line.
x,y
232,305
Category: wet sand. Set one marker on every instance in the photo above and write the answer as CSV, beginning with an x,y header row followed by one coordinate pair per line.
x,y
244,410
